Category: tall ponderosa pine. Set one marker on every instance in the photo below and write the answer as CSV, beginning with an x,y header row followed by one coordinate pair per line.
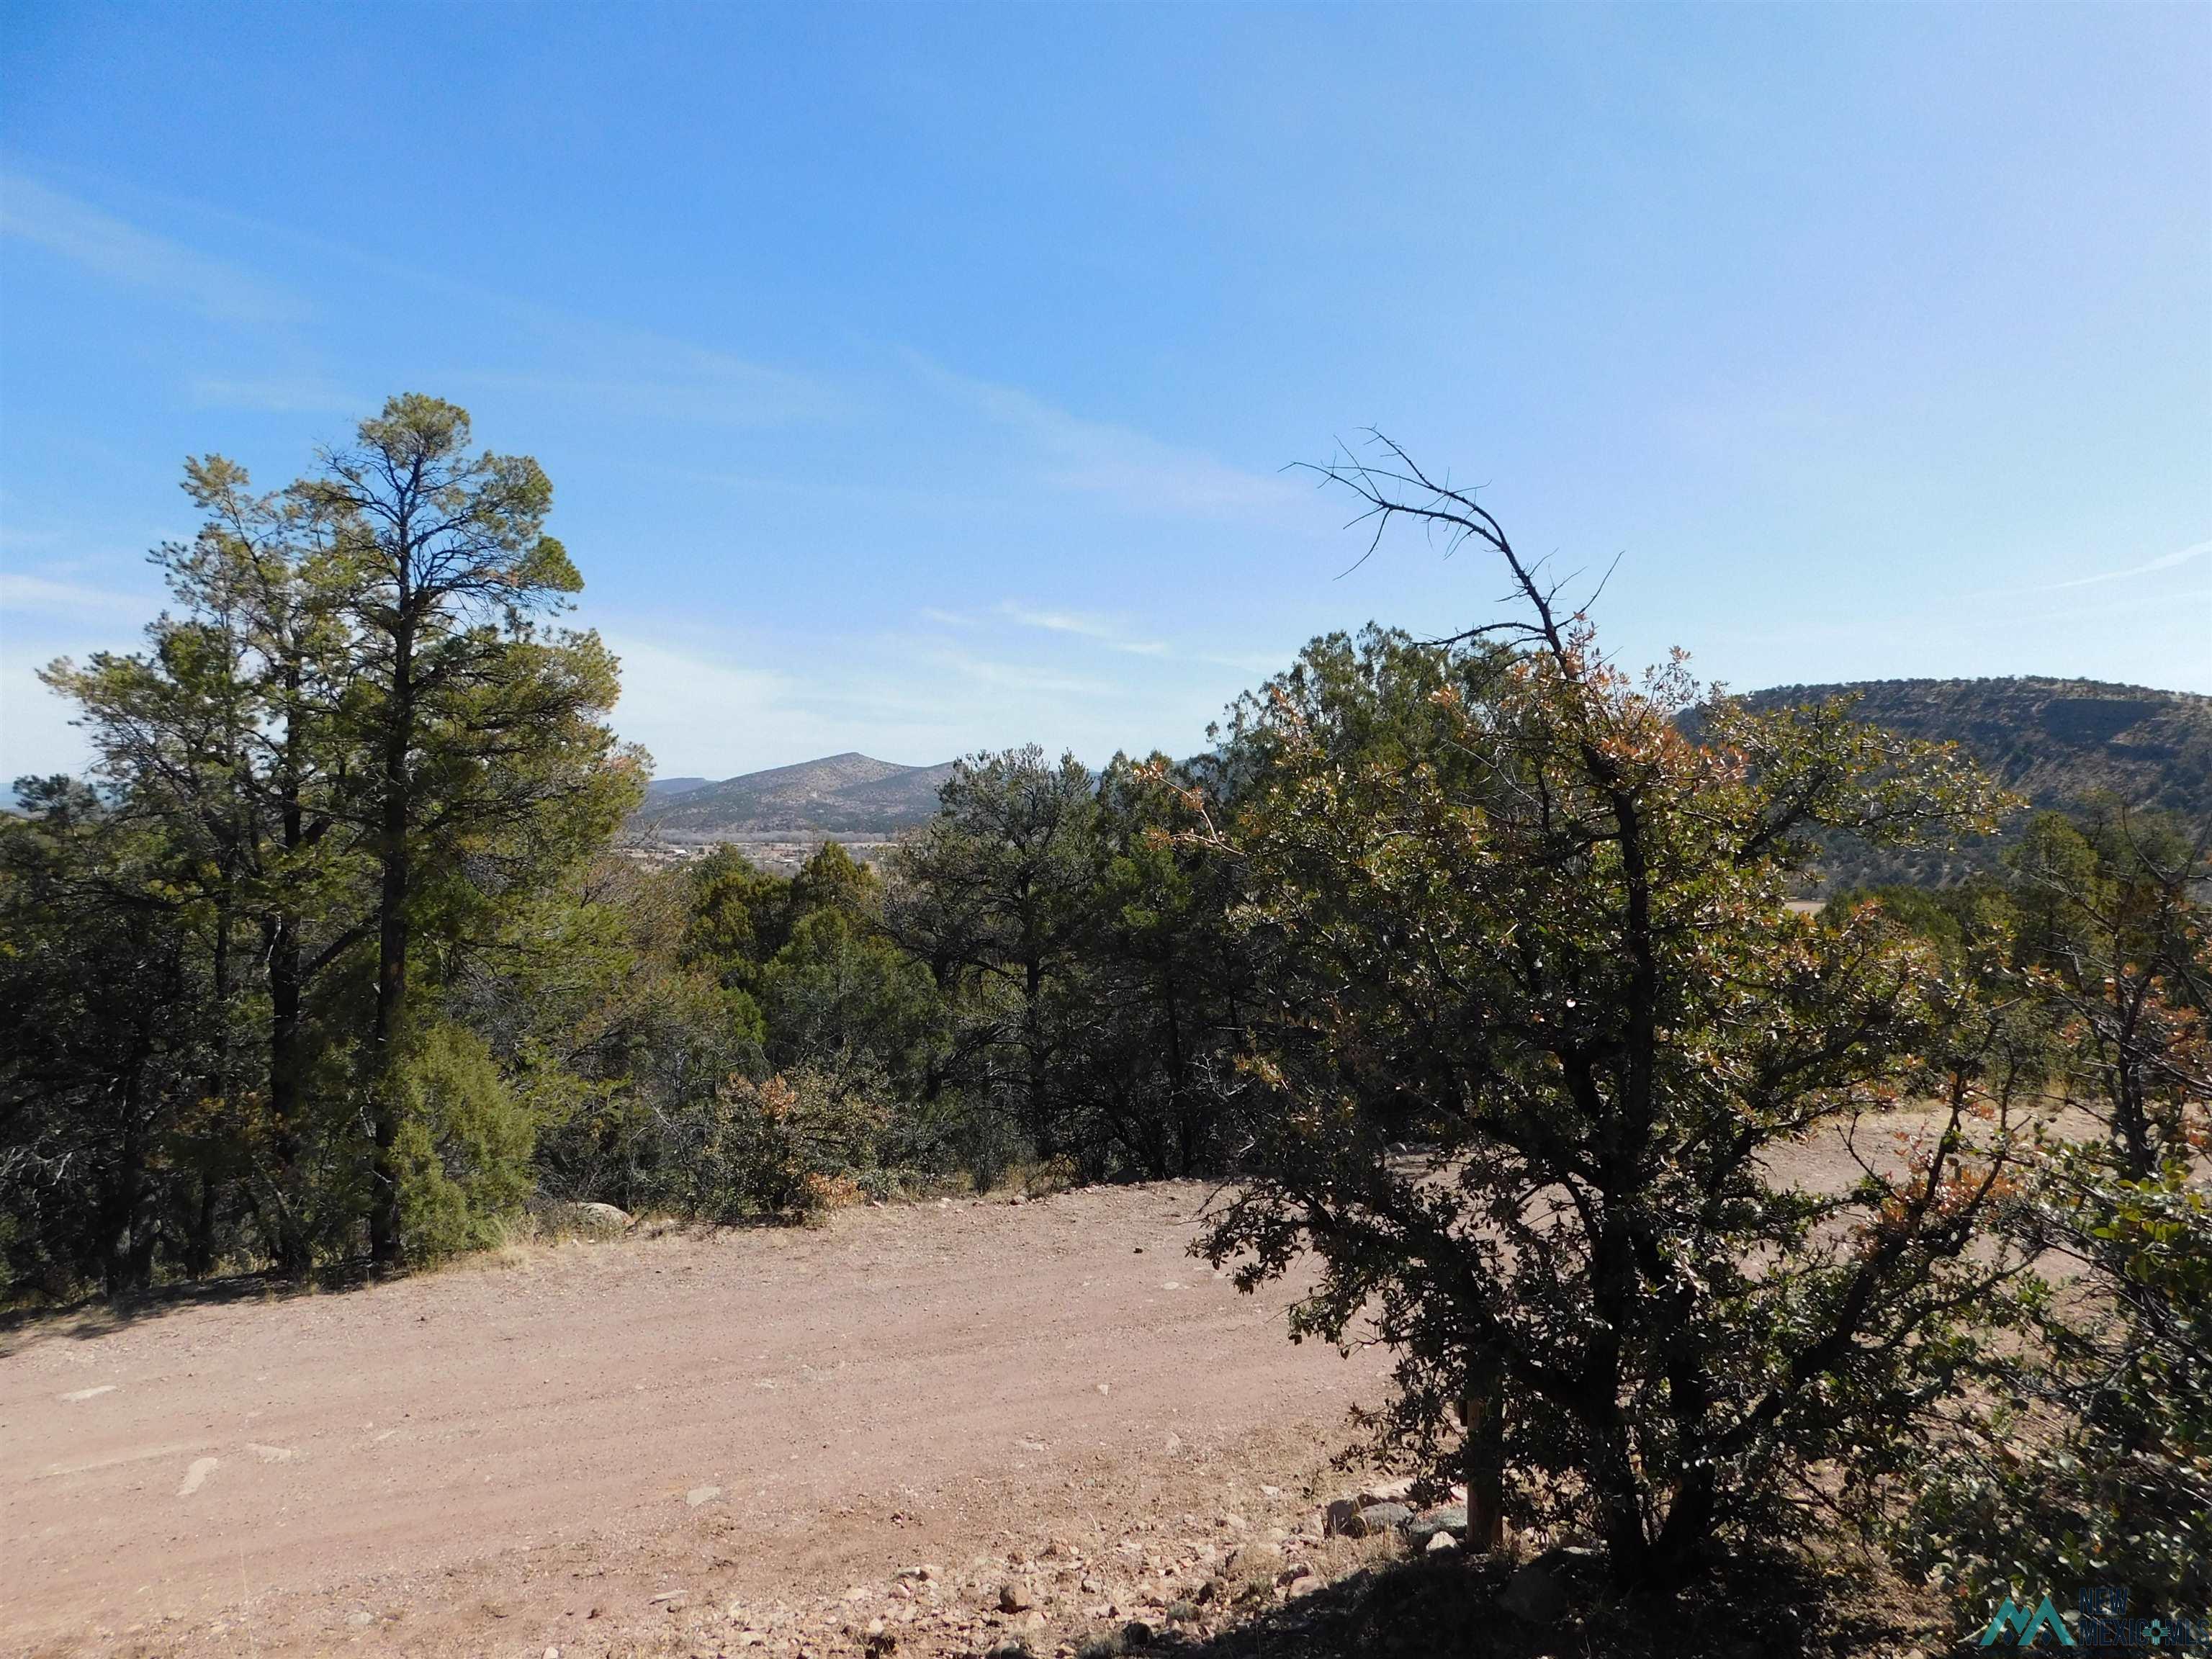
x,y
473,724
350,742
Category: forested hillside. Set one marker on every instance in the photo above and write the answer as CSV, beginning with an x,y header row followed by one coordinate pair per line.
x,y
2059,743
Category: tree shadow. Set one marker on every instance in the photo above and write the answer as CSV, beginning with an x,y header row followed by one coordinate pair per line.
x,y
1752,1607
94,1316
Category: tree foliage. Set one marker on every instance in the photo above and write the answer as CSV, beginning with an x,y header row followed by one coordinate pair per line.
x,y
1541,1024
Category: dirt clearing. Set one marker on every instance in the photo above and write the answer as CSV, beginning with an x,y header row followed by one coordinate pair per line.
x,y
572,1447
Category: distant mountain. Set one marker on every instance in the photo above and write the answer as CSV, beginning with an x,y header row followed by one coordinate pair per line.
x,y
844,794
661,788
2057,742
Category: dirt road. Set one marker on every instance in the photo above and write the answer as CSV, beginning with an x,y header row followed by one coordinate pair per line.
x,y
505,1456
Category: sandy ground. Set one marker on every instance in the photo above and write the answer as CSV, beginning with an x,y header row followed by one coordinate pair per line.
x,y
564,1447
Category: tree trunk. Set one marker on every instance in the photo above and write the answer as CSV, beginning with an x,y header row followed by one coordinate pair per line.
x,y
1178,1102
1483,1410
127,1246
1033,1045
392,939
199,1244
199,1254
288,1246
1682,1540
1620,1509
280,934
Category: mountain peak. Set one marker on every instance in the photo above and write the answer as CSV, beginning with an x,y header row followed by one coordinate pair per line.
x,y
851,793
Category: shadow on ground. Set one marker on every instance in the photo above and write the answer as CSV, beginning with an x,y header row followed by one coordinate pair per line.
x,y
98,1316
1444,1605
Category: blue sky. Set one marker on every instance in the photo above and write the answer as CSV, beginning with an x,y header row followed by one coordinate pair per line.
x,y
915,381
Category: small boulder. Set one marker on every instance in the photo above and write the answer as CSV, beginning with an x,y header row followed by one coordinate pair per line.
x,y
1386,1492
1015,1598
1446,1518
1378,1518
593,1220
1441,1543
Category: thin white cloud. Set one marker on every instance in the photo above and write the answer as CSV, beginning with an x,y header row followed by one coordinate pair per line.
x,y
36,737
1082,626
101,243
1136,471
605,367
2195,551
21,593
1001,675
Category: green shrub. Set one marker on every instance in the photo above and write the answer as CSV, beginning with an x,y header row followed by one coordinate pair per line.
x,y
463,1148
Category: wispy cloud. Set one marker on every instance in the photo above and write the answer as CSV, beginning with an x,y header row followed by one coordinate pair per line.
x,y
1082,626
1004,675
2195,551
103,244
22,593
1106,633
1132,470
606,367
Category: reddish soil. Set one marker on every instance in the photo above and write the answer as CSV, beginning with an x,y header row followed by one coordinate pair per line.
x,y
613,1447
